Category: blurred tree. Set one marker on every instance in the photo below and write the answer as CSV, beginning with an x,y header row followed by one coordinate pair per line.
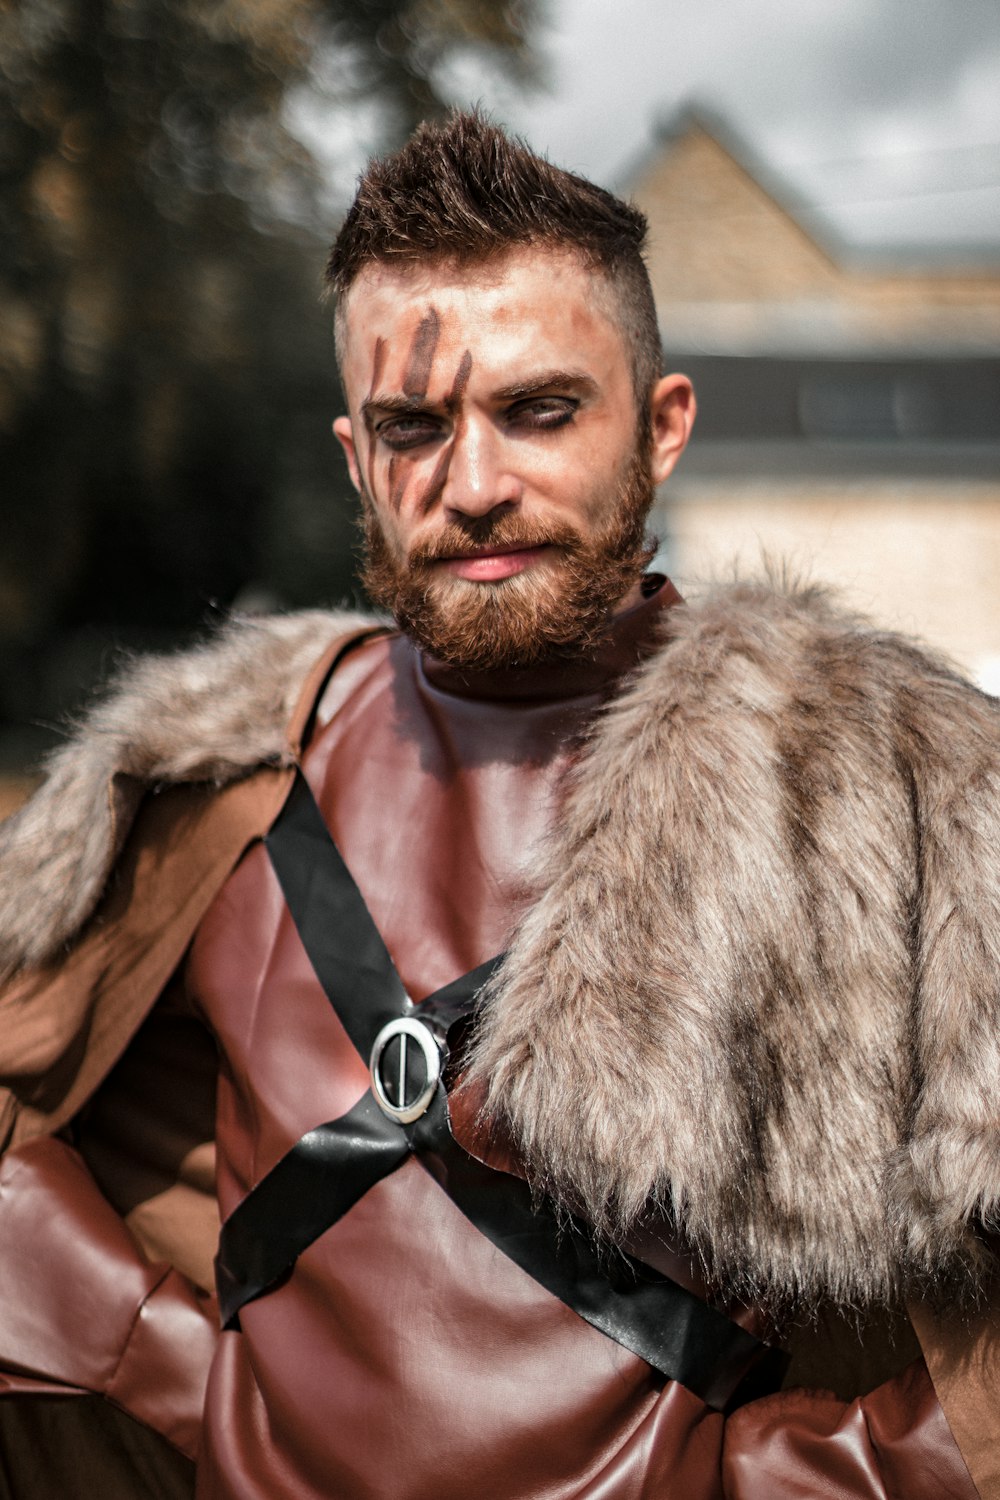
x,y
166,380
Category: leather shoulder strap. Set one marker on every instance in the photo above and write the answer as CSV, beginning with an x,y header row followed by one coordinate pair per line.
x,y
304,713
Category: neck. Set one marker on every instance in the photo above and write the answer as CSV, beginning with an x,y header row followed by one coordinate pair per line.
x,y
630,637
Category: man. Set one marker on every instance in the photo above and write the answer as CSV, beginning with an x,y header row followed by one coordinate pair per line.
x,y
741,1049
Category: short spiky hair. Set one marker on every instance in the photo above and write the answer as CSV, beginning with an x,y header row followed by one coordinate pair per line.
x,y
462,191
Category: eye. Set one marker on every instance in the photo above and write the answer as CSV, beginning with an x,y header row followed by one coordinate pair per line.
x,y
542,412
408,431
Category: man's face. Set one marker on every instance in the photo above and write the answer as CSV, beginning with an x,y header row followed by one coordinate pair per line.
x,y
493,436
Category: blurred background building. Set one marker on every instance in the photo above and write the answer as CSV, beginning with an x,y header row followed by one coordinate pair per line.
x,y
849,404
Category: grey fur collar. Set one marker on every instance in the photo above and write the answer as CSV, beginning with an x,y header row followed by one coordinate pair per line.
x,y
760,983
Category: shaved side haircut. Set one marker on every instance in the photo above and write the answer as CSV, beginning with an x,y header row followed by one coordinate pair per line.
x,y
462,192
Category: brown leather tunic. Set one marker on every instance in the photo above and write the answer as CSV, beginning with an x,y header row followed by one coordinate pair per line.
x,y
406,1357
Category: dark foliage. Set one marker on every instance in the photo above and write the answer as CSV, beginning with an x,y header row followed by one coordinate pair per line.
x,y
166,374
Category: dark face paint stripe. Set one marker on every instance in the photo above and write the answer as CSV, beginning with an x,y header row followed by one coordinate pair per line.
x,y
453,400
378,365
397,483
438,480
453,404
421,360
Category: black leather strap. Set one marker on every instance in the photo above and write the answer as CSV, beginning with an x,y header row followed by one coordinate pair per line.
x,y
326,1172
330,1168
640,1308
344,946
310,1188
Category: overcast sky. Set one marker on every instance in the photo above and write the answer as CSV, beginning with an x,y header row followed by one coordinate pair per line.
x,y
884,112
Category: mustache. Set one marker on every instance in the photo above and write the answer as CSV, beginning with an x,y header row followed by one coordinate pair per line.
x,y
476,534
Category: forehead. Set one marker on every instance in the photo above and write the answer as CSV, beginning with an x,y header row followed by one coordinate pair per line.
x,y
542,306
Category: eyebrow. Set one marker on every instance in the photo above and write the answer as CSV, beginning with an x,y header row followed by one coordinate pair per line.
x,y
545,380
391,402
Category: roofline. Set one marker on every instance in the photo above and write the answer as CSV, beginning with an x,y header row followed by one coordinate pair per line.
x,y
696,115
908,258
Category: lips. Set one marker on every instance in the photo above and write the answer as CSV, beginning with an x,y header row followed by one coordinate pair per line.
x,y
495,563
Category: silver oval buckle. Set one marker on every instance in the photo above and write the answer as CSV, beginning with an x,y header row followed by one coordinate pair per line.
x,y
398,1093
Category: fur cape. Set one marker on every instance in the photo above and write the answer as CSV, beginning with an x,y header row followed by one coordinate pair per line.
x,y
759,986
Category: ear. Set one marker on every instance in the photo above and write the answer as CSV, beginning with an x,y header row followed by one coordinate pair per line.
x,y
672,410
344,433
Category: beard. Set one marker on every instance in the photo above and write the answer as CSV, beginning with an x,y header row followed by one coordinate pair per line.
x,y
558,609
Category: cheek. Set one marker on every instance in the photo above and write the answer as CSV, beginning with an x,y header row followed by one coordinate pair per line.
x,y
388,527
585,487
410,485
394,501
600,463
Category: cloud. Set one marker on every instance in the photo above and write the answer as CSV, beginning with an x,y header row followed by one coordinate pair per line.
x,y
803,80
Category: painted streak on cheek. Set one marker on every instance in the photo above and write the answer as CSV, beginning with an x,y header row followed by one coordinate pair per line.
x,y
397,482
453,403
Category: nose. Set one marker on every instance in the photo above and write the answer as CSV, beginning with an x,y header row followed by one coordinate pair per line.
x,y
479,476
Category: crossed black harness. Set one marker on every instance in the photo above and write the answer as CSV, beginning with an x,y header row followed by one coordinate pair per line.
x,y
405,1114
